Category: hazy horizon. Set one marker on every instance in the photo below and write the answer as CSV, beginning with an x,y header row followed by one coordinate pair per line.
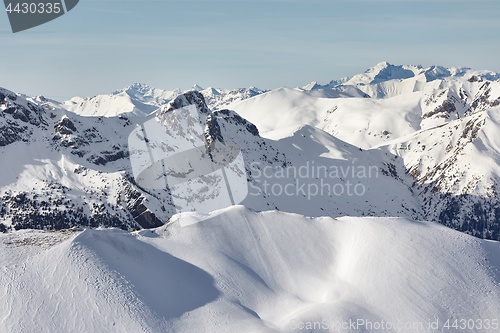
x,y
101,46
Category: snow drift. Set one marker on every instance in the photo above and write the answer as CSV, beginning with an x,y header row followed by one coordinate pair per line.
x,y
238,269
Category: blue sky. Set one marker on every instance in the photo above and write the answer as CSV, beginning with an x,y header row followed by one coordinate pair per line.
x,y
103,45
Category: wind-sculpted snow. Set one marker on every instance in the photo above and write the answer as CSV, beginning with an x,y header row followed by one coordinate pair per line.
x,y
239,270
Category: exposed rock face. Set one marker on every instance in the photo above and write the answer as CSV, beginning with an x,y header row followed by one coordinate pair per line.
x,y
99,189
18,117
190,98
213,129
65,126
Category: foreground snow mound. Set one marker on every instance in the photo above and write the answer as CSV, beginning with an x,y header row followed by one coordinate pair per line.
x,y
243,271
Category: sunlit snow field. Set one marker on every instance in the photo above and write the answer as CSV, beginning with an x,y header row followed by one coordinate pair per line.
x,y
241,270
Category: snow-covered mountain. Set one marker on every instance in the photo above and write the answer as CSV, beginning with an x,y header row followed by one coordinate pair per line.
x,y
218,99
331,234
428,154
66,170
386,80
453,171
141,100
137,99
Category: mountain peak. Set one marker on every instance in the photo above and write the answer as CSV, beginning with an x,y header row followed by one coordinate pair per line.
x,y
197,87
436,72
382,64
384,71
191,97
311,86
134,87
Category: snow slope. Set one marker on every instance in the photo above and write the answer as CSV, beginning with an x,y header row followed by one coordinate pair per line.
x,y
363,122
369,122
456,167
244,271
74,170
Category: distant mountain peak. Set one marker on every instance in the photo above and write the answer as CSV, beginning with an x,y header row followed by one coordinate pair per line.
x,y
134,87
311,86
381,72
211,91
197,87
436,72
386,80
382,64
141,99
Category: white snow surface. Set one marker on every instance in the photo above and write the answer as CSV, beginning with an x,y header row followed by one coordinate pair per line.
x,y
398,107
239,270
271,271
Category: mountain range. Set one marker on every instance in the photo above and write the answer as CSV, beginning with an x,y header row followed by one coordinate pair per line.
x,y
431,134
371,204
140,99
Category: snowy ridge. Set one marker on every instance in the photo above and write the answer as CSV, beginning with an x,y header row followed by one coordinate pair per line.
x,y
239,267
455,111
220,98
387,80
85,177
432,154
142,100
